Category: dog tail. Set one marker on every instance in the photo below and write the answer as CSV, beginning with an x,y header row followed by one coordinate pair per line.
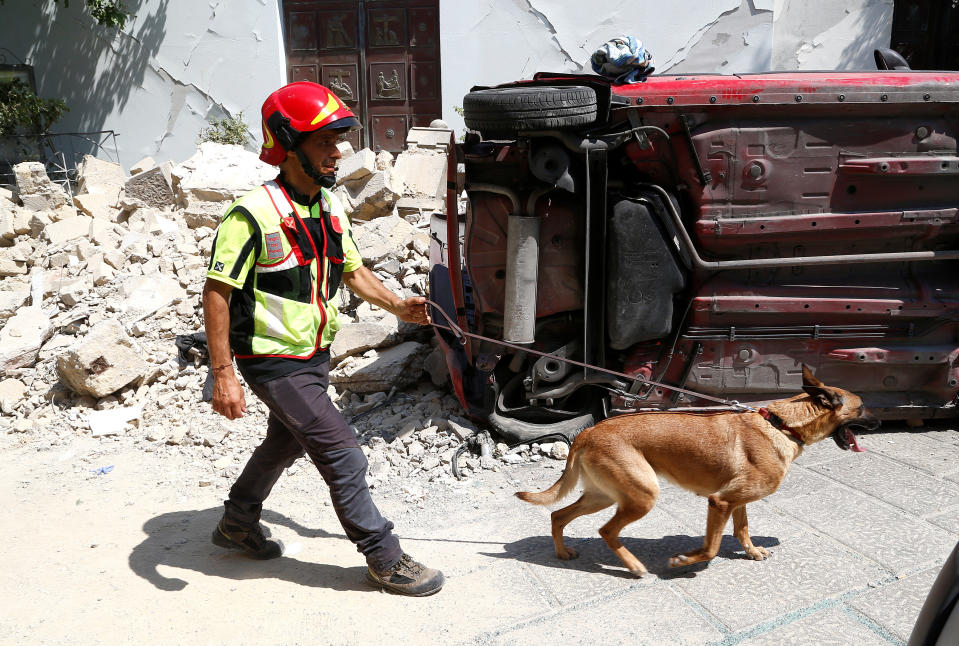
x,y
560,488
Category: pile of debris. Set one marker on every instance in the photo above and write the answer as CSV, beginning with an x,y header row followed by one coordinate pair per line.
x,y
95,290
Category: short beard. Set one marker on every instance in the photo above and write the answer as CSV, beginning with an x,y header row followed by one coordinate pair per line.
x,y
323,181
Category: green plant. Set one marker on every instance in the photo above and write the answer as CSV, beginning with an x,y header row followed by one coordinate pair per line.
x,y
229,130
21,110
109,13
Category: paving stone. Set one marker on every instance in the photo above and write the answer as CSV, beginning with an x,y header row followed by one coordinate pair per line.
x,y
895,605
597,571
665,619
831,627
825,451
944,431
893,482
802,572
502,595
768,525
918,449
948,520
892,538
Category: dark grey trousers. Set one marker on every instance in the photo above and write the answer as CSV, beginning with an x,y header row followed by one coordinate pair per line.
x,y
303,420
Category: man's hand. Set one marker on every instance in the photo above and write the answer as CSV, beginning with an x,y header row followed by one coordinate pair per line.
x,y
367,286
413,310
228,398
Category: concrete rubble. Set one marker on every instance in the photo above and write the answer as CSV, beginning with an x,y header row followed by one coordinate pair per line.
x,y
93,295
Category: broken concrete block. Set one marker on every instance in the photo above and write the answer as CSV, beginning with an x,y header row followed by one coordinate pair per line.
x,y
103,234
373,197
438,138
7,230
72,290
382,237
151,188
102,362
100,176
419,206
12,393
21,338
357,338
105,206
58,233
436,367
113,421
203,214
11,301
159,224
35,190
384,160
356,167
220,173
100,272
398,366
345,148
422,172
144,164
39,220
11,264
144,295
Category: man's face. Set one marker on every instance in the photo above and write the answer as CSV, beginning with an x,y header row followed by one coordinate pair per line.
x,y
320,148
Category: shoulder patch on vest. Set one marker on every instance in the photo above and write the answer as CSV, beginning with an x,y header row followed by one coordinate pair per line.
x,y
274,246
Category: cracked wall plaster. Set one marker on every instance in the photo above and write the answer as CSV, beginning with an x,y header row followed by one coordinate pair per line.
x,y
155,84
177,64
494,41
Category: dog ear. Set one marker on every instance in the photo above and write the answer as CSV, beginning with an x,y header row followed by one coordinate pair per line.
x,y
819,391
808,379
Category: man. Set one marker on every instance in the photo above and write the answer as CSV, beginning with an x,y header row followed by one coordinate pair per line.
x,y
279,256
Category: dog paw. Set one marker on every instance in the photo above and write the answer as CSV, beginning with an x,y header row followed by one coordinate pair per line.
x,y
679,560
638,572
757,553
567,553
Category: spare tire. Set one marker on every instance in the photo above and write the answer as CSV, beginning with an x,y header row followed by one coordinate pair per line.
x,y
505,111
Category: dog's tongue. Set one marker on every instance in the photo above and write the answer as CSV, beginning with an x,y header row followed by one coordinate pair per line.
x,y
853,444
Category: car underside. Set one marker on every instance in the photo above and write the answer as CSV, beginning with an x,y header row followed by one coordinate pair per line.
x,y
709,234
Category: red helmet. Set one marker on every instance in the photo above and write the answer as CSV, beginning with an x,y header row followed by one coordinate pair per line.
x,y
296,109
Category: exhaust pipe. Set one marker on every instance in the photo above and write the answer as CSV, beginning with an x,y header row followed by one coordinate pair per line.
x,y
522,271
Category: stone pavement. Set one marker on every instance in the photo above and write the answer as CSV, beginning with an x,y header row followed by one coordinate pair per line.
x,y
856,542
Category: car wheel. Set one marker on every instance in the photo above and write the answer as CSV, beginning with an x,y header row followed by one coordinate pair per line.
x,y
505,111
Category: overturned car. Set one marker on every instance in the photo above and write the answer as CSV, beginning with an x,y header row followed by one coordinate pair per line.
x,y
707,232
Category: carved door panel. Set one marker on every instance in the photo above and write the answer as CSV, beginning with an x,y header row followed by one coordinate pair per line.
x,y
380,56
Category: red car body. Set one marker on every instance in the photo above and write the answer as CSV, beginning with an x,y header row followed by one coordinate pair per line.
x,y
708,232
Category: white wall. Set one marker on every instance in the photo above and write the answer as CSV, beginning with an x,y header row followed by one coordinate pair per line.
x,y
487,42
176,64
156,83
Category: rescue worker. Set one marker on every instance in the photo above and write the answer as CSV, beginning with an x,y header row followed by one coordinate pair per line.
x,y
279,256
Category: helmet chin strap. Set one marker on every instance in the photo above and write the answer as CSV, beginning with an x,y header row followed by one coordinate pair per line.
x,y
323,181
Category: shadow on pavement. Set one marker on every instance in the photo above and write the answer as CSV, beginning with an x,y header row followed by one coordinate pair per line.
x,y
595,555
181,539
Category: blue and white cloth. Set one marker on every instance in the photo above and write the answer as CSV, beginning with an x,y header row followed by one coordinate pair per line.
x,y
623,59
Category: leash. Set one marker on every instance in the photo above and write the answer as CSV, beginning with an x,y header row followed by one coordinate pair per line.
x,y
461,335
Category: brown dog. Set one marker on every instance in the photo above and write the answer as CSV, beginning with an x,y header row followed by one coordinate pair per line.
x,y
732,458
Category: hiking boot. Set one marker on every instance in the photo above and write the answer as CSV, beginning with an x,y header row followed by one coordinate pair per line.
x,y
250,540
408,577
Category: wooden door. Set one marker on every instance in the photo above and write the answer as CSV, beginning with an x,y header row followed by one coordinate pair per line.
x,y
926,33
382,57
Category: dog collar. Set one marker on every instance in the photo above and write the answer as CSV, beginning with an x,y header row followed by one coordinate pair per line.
x,y
778,423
